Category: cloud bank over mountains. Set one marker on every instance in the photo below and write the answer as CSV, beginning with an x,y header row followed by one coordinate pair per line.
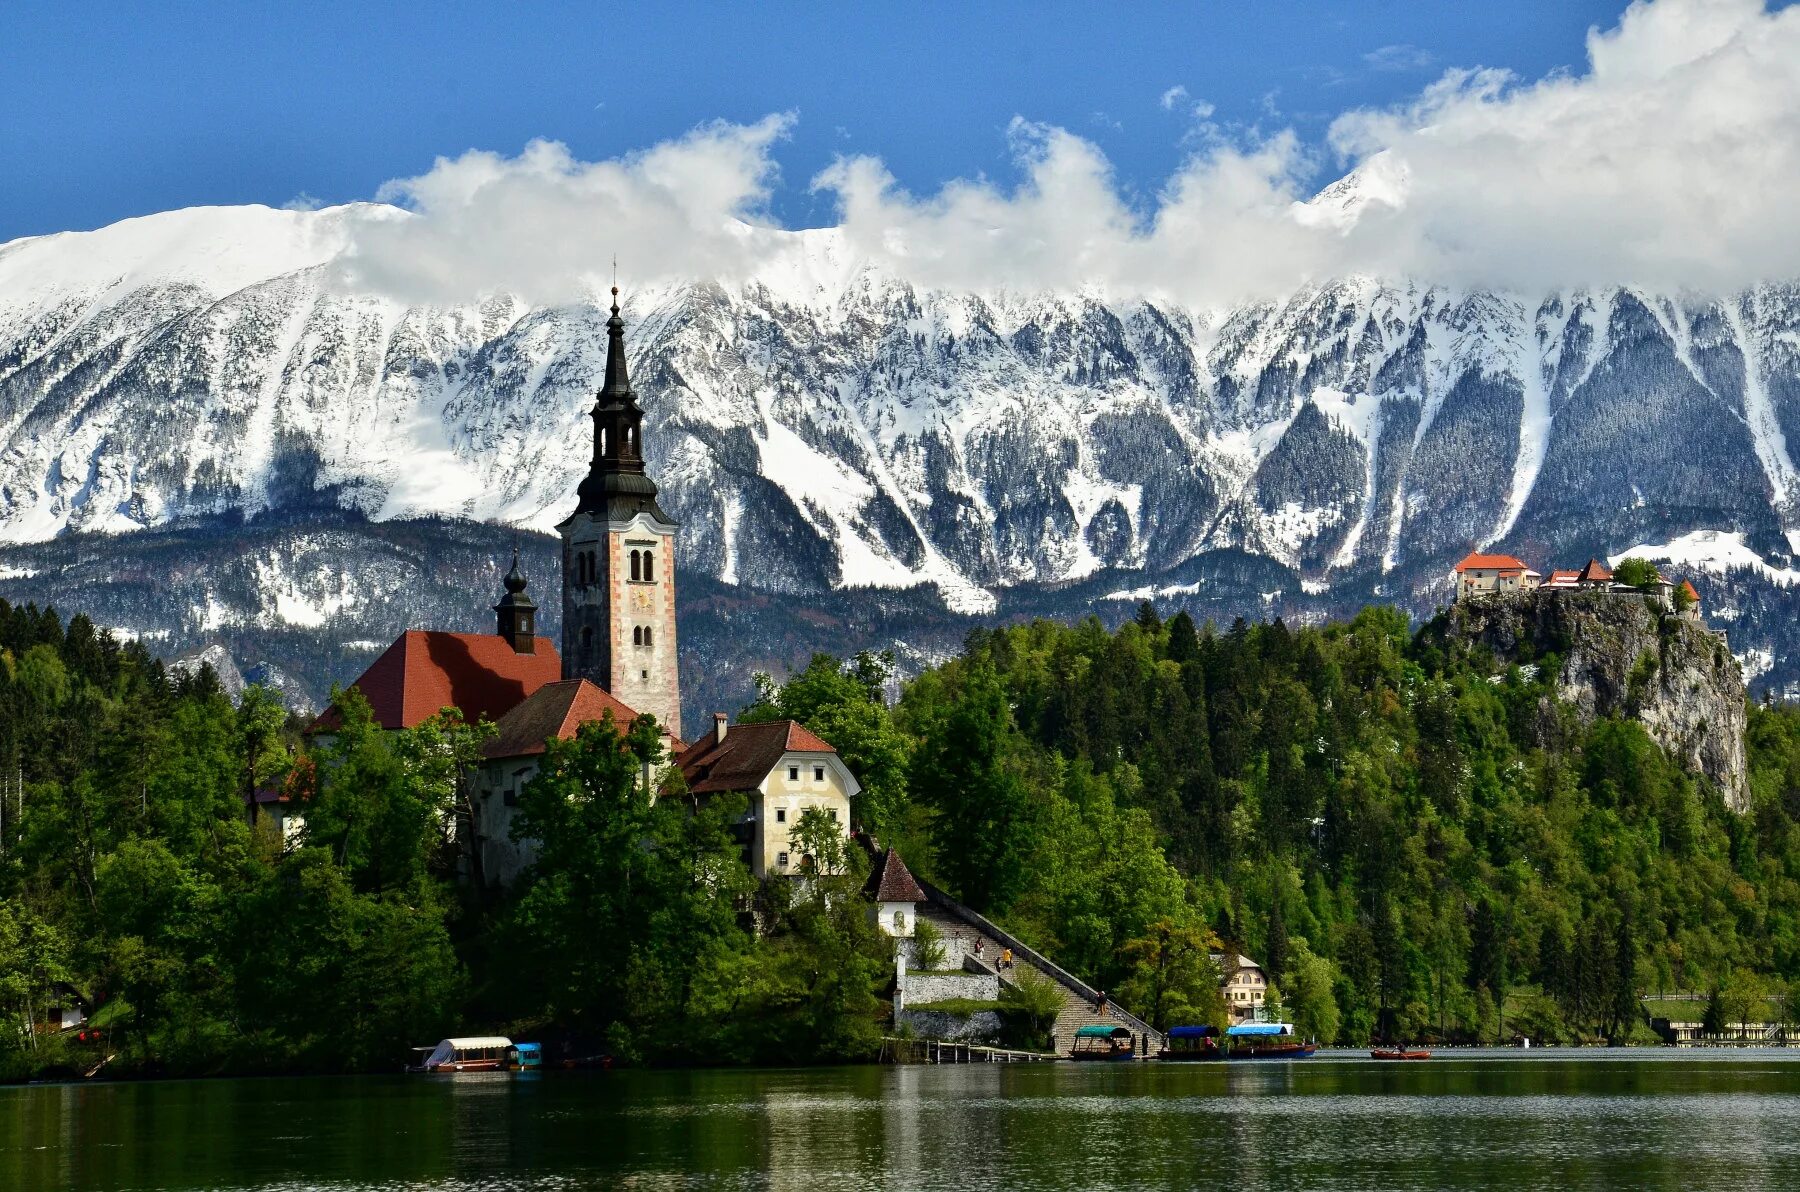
x,y
1670,161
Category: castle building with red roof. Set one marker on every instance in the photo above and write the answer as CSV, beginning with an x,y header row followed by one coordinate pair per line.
x,y
617,658
1478,573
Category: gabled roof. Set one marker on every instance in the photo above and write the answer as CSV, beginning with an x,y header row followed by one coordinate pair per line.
x,y
424,671
745,757
1689,589
554,710
1480,562
1594,573
1560,578
893,882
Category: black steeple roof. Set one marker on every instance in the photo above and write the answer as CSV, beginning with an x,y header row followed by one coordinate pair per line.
x,y
616,486
515,617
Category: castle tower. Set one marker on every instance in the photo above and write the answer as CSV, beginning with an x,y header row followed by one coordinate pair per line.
x,y
618,610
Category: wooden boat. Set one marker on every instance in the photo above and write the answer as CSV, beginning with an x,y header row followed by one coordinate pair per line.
x,y
1246,1041
472,1053
1104,1043
1399,1053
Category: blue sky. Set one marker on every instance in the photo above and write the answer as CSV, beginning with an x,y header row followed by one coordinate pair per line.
x,y
113,110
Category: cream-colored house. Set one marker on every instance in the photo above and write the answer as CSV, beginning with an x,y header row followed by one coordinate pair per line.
x,y
1244,984
784,770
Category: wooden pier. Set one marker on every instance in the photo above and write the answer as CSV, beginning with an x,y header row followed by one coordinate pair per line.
x,y
895,1050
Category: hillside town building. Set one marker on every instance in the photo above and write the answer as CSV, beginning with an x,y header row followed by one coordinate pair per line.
x,y
618,658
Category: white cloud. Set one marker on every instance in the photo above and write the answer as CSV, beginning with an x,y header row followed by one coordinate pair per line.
x,y
1399,57
546,225
1670,160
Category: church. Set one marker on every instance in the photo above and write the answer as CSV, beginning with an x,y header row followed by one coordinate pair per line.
x,y
618,656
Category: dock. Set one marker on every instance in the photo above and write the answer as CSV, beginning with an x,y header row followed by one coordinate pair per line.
x,y
895,1050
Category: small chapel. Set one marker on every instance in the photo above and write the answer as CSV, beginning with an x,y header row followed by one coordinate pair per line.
x,y
619,655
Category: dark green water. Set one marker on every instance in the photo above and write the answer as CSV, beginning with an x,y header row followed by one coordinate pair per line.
x,y
1637,1120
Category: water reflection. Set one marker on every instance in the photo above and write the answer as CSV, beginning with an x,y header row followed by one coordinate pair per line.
x,y
1552,1122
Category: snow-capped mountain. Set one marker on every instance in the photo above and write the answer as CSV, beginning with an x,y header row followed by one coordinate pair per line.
x,y
826,427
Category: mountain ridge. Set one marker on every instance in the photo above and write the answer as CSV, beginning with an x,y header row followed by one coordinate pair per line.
x,y
829,428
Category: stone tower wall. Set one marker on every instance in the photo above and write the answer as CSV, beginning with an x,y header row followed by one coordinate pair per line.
x,y
646,677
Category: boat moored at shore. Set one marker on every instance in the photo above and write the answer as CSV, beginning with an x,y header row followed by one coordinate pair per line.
x,y
1246,1041
480,1053
1104,1043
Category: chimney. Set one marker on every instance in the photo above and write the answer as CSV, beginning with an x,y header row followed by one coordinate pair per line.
x,y
719,728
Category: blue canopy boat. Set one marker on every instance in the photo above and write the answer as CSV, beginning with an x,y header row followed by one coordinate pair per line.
x,y
1246,1041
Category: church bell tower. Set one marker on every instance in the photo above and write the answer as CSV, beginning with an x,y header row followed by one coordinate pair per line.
x,y
618,589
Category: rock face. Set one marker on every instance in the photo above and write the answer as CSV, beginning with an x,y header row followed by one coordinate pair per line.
x,y
1622,656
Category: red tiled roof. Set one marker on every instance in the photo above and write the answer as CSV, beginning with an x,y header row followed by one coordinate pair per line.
x,y
1480,562
424,671
554,710
894,882
1689,589
746,756
1594,573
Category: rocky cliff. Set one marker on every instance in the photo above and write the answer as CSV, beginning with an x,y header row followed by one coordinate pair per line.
x,y
1620,655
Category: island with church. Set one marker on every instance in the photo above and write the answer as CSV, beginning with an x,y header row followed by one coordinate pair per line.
x,y
1547,814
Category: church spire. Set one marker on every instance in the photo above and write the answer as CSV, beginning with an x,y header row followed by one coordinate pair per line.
x,y
616,486
516,614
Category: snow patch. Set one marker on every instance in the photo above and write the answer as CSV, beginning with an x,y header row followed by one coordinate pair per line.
x,y
1715,551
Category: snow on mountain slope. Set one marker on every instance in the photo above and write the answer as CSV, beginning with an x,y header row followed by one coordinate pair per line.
x,y
825,426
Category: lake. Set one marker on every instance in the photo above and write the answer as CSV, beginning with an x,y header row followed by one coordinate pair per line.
x,y
1464,1120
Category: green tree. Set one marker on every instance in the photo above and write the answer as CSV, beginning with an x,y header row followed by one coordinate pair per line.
x,y
1311,983
1173,980
1634,572
986,827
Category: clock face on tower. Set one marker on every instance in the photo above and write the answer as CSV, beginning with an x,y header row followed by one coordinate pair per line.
x,y
640,597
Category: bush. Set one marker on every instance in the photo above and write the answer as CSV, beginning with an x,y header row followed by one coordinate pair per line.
x,y
928,952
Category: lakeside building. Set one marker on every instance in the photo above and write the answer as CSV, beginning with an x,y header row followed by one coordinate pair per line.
x,y
1244,984
618,657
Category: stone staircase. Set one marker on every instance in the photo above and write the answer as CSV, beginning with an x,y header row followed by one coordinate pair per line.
x,y
962,928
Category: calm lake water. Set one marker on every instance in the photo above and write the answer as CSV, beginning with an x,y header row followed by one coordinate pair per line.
x,y
1469,1120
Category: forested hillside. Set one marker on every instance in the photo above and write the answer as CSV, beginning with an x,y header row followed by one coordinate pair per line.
x,y
1387,820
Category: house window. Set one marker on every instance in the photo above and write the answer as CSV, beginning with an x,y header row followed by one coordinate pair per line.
x,y
645,675
818,773
509,797
793,773
781,860
832,812
781,815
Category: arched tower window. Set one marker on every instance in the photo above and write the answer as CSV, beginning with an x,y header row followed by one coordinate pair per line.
x,y
647,632
587,638
637,635
636,565
593,567
649,565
